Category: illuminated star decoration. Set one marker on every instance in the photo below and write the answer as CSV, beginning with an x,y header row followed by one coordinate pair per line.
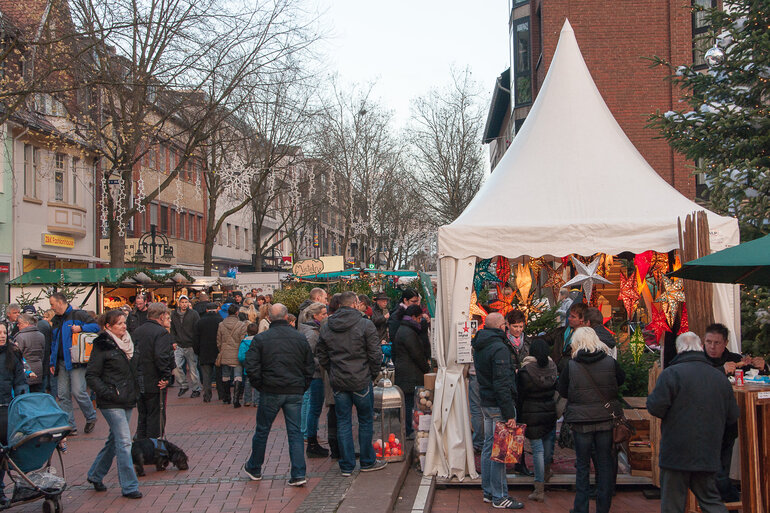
x,y
671,298
606,266
504,303
536,265
642,261
629,295
555,279
658,324
587,276
503,269
637,344
659,266
523,281
483,274
475,309
684,323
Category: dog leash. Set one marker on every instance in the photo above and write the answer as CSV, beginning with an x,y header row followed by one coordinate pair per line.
x,y
162,414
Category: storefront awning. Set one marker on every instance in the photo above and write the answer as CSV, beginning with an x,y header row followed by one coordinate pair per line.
x,y
66,256
105,275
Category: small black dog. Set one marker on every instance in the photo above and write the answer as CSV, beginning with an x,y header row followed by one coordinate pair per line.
x,y
159,452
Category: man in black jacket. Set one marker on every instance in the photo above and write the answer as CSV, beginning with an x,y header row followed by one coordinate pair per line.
x,y
279,363
696,403
205,348
497,389
156,363
409,297
350,352
183,330
138,315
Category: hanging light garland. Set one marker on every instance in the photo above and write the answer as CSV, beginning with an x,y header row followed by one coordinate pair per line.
x,y
140,195
121,210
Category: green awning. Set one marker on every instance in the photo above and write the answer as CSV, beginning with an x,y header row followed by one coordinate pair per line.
x,y
113,275
747,263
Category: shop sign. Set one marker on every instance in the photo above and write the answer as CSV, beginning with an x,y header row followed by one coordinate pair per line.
x,y
465,332
5,268
60,241
307,267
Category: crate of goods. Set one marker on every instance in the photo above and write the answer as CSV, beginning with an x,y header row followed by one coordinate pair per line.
x,y
639,448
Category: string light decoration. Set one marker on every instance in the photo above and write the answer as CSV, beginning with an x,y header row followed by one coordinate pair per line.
x,y
120,212
140,207
311,182
105,208
178,198
198,188
330,186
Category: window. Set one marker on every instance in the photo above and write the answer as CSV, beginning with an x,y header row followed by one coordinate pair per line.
x,y
152,158
522,62
75,178
163,219
31,155
198,225
229,235
173,222
58,178
182,233
700,28
246,241
154,214
237,237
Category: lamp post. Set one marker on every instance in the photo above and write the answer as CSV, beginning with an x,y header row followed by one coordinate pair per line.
x,y
149,241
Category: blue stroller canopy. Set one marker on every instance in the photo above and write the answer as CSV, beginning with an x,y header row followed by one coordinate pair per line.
x,y
34,413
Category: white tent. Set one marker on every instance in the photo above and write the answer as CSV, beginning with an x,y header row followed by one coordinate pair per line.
x,y
571,182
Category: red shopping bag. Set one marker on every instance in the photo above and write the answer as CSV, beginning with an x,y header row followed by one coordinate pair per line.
x,y
508,444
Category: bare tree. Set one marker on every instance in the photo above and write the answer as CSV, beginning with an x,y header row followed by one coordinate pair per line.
x,y
446,145
354,137
170,78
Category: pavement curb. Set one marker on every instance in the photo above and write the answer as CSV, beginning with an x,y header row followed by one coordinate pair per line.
x,y
376,492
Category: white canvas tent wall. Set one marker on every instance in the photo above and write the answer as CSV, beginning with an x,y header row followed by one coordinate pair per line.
x,y
571,182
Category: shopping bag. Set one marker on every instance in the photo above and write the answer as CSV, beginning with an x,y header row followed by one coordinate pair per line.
x,y
508,444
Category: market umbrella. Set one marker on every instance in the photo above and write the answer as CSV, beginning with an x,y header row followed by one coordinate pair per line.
x,y
747,263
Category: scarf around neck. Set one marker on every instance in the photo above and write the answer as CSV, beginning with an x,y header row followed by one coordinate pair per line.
x,y
125,344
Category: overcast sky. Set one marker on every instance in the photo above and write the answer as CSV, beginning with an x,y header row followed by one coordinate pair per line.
x,y
409,46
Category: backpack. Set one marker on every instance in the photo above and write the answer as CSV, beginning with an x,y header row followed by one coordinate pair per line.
x,y
82,344
245,345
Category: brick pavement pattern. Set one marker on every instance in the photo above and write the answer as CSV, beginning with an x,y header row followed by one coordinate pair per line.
x,y
217,440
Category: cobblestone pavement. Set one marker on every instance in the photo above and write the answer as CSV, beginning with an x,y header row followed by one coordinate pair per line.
x,y
217,440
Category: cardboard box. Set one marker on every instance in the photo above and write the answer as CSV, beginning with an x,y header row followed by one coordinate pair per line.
x,y
430,381
424,423
422,445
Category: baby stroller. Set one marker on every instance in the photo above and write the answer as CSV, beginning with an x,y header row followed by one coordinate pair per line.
x,y
36,425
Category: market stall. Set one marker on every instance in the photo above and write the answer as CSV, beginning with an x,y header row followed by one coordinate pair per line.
x,y
571,183
99,289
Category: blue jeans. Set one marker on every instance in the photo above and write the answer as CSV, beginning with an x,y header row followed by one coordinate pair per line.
x,y
316,405
231,373
542,454
494,482
601,441
363,400
186,355
477,418
250,394
269,405
118,445
305,409
73,383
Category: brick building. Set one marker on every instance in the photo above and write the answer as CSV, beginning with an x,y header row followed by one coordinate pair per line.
x,y
616,39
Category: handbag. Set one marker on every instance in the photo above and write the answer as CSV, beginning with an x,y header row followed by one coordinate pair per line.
x,y
508,443
566,440
621,428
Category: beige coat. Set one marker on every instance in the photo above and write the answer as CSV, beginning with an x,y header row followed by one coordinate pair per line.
x,y
229,335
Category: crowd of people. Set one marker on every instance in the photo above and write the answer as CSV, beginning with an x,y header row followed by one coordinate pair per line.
x,y
251,351
254,352
571,373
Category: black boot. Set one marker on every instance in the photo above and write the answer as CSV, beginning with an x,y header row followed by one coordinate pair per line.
x,y
226,392
314,449
237,394
521,468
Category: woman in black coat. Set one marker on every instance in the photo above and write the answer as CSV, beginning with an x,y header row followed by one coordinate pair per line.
x,y
12,383
410,358
536,384
589,381
112,375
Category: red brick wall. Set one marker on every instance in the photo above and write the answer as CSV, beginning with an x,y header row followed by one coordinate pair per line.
x,y
615,37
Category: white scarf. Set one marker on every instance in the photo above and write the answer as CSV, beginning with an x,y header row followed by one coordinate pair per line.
x,y
125,344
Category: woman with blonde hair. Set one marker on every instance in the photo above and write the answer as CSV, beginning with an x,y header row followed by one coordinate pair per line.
x,y
264,317
589,382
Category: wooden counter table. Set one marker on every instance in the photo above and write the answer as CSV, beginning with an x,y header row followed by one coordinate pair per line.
x,y
754,442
